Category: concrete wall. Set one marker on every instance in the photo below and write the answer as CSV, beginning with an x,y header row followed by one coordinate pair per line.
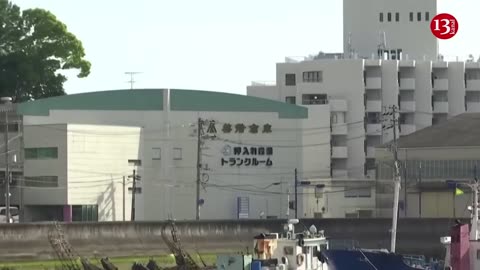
x,y
37,136
30,241
97,162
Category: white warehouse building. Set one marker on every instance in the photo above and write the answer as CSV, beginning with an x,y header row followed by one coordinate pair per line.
x,y
390,58
78,147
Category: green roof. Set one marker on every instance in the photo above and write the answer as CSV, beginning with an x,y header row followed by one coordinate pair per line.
x,y
152,99
192,100
123,100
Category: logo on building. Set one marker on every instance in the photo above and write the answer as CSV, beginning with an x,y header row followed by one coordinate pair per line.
x,y
247,156
238,128
227,150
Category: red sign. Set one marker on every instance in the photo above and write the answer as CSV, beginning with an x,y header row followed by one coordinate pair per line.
x,y
444,26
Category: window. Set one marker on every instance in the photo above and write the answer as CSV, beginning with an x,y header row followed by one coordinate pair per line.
x,y
177,153
365,213
41,181
393,54
13,211
381,17
399,54
156,153
357,192
41,153
411,16
314,99
138,190
419,16
11,127
427,16
397,16
351,215
290,79
389,16
373,118
291,100
312,76
84,213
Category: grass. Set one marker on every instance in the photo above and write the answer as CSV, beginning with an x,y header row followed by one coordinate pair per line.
x,y
123,263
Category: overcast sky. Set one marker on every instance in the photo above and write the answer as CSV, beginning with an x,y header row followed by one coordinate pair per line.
x,y
218,45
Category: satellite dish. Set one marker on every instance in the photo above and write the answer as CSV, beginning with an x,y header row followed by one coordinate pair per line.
x,y
313,229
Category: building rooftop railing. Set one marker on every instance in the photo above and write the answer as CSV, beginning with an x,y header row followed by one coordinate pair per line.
x,y
264,83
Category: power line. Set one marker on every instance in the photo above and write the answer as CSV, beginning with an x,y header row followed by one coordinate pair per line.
x,y
291,146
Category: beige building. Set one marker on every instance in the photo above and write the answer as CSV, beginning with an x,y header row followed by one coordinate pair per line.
x,y
76,171
78,147
430,157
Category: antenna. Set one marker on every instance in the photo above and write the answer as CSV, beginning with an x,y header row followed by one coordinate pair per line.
x,y
383,44
132,74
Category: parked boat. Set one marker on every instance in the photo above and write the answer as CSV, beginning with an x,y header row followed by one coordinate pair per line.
x,y
309,250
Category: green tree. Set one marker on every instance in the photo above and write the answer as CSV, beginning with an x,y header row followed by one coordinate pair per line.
x,y
34,48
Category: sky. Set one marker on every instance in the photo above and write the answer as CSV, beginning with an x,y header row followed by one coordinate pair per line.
x,y
216,45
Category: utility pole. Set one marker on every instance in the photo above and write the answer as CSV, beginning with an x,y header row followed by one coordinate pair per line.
x,y
199,166
420,182
7,101
296,194
134,191
392,111
288,203
132,74
123,199
473,231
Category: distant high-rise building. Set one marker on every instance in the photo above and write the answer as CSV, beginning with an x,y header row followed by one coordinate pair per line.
x,y
389,28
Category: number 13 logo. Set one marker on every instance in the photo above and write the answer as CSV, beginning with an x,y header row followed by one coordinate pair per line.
x,y
444,26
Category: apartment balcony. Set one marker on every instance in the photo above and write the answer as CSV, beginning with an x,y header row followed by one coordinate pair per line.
x,y
473,85
373,83
374,129
407,106
339,129
473,106
440,107
370,152
371,174
339,152
406,129
406,63
338,105
439,64
407,84
472,65
374,106
373,63
338,173
440,84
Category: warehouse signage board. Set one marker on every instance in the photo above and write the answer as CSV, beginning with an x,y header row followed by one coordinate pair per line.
x,y
210,127
247,156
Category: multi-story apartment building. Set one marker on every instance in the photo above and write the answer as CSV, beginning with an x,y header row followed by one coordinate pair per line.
x,y
390,58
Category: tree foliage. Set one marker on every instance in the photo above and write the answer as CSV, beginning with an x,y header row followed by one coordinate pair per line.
x,y
34,48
